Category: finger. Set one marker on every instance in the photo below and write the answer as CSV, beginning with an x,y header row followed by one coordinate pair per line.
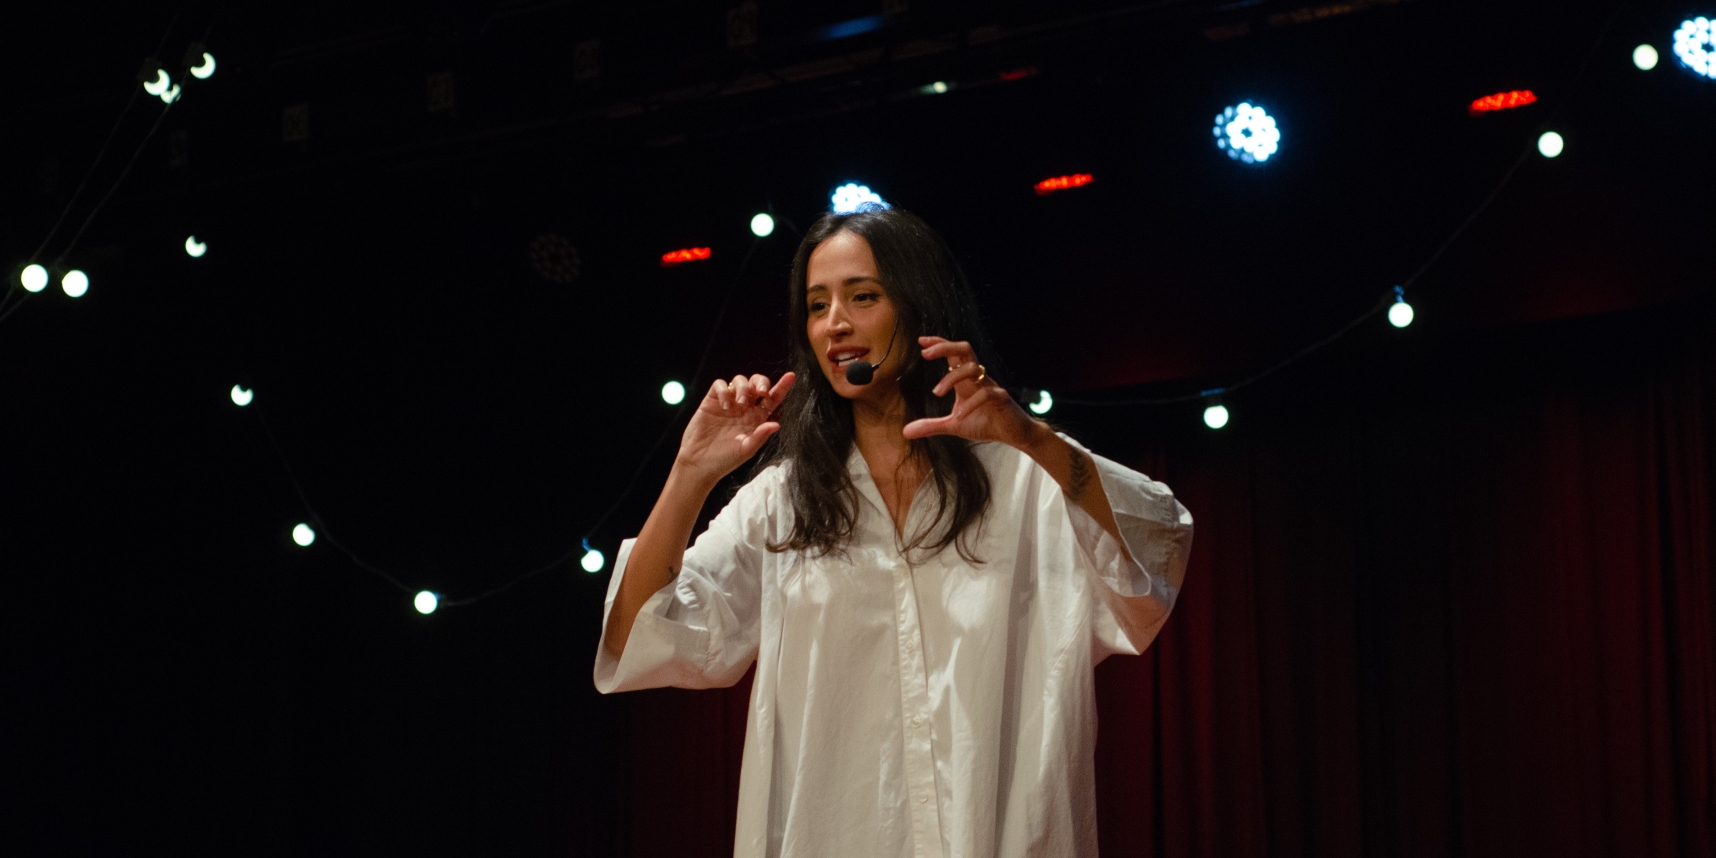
x,y
722,393
965,372
781,387
930,341
759,388
954,351
927,426
755,438
741,390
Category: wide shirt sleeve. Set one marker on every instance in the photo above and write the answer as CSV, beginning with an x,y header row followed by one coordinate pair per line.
x,y
700,631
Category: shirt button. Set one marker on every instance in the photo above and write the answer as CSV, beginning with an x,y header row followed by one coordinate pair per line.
x,y
917,722
923,799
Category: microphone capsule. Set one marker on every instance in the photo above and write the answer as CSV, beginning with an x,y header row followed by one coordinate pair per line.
x,y
859,372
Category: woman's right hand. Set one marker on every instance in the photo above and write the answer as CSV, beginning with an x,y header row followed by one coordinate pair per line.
x,y
730,425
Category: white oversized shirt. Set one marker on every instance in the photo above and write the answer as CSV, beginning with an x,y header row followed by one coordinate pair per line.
x,y
915,704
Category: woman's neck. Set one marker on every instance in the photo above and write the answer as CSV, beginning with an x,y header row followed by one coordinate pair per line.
x,y
877,426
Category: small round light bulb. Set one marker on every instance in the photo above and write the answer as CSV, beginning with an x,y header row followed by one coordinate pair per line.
x,y
34,278
1644,56
1550,144
75,283
241,396
426,602
1215,416
592,561
303,534
762,226
673,393
1400,315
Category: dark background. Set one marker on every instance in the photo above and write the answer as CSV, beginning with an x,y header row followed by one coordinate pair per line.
x,y
1452,586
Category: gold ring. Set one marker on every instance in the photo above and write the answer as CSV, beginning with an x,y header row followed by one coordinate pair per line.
x,y
981,374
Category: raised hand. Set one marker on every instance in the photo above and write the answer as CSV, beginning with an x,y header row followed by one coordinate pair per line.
x,y
982,411
730,425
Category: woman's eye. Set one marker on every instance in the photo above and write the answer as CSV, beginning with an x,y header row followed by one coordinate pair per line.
x,y
816,306
866,296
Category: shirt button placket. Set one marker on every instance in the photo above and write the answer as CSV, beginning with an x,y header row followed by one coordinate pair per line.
x,y
914,703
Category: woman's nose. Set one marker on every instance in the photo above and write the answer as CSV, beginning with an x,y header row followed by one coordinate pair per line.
x,y
837,318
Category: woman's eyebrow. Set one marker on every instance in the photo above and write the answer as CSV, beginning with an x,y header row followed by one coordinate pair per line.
x,y
862,278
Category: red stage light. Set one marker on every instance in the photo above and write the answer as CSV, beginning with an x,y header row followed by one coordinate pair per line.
x,y
1503,101
1019,73
1061,183
689,254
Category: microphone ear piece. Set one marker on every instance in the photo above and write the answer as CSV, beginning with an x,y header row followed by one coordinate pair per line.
x,y
859,372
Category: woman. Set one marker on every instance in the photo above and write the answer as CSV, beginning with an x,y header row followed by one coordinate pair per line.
x,y
924,584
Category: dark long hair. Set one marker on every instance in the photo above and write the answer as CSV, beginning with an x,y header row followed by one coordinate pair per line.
x,y
930,297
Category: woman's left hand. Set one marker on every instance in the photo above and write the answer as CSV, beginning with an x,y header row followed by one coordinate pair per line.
x,y
982,411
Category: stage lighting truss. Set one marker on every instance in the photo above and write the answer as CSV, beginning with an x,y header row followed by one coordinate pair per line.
x,y
1247,133
1695,46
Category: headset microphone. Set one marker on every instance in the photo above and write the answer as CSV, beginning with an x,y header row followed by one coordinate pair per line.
x,y
860,373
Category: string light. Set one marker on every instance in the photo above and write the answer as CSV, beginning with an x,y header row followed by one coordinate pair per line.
x,y
1644,56
75,283
849,198
1695,45
303,534
426,601
1043,404
1215,416
206,70
673,393
1550,144
195,249
1400,315
241,397
762,226
592,560
158,86
34,278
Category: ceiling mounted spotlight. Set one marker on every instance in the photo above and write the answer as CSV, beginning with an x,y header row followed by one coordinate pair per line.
x,y
1246,132
851,197
1695,46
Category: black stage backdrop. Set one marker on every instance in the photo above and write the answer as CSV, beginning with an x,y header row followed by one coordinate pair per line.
x,y
1451,590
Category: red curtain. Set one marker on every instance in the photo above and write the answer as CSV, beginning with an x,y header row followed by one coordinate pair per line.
x,y
1458,602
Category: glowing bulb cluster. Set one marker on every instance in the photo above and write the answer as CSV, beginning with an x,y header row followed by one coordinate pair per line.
x,y
1695,45
849,198
1247,133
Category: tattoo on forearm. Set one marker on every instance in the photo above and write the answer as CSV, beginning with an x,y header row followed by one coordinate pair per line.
x,y
1078,474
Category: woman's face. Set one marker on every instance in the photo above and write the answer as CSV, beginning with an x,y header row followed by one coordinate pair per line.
x,y
851,317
